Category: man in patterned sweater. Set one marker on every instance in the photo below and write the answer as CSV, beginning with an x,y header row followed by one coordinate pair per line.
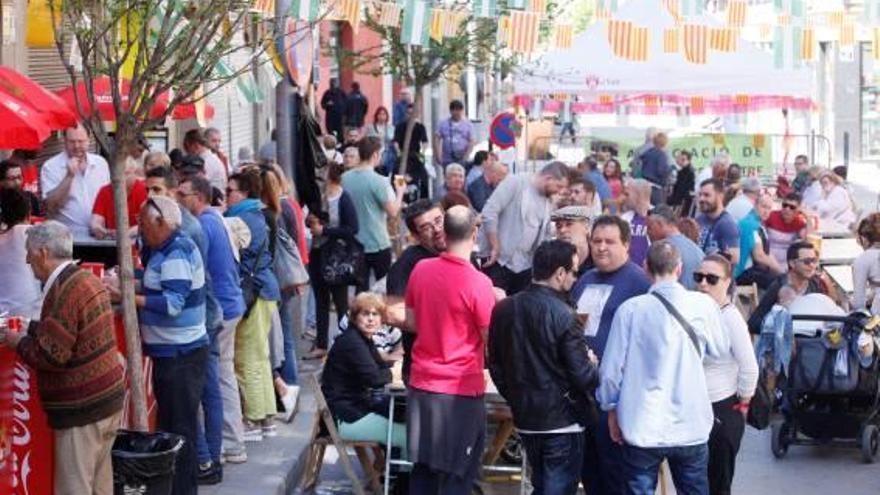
x,y
79,371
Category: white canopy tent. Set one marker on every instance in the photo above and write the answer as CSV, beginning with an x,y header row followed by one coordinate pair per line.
x,y
589,68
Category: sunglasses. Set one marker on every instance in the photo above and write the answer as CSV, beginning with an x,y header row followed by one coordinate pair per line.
x,y
710,278
808,261
789,206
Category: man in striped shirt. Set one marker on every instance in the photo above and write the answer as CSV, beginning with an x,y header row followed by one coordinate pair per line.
x,y
172,318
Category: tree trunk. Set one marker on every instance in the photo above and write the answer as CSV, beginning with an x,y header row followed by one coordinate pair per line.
x,y
124,138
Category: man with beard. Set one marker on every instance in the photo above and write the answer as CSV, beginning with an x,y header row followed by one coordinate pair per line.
x,y
718,230
424,220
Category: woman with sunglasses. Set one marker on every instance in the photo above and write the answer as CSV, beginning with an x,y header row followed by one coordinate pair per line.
x,y
731,379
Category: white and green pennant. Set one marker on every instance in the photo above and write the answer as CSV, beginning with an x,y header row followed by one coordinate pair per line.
x,y
872,12
305,10
485,8
416,29
518,4
692,7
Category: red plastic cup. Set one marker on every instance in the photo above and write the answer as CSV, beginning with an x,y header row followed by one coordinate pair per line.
x,y
13,323
96,268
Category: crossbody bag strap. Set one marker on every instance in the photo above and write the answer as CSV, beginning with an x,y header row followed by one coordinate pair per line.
x,y
681,321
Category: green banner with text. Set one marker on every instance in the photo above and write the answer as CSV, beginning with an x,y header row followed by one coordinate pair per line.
x,y
748,150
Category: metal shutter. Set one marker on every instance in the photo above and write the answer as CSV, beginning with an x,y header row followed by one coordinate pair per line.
x,y
46,67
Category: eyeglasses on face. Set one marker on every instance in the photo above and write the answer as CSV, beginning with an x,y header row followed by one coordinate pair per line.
x,y
789,206
808,261
710,278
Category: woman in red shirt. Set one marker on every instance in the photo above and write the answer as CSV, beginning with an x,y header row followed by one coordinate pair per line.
x,y
103,224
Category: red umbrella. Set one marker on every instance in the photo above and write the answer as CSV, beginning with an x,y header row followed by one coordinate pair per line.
x,y
188,111
21,127
56,112
104,100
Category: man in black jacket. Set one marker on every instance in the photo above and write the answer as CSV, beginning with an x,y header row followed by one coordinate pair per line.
x,y
356,106
542,367
333,104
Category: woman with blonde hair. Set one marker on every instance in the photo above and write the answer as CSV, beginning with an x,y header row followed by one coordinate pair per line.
x,y
354,369
835,205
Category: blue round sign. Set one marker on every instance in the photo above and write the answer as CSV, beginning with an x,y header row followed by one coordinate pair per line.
x,y
504,130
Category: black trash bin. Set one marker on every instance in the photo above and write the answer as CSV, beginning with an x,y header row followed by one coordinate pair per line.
x,y
143,463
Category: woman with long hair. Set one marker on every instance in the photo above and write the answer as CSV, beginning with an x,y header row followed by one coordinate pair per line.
x,y
20,292
866,268
731,378
382,129
612,173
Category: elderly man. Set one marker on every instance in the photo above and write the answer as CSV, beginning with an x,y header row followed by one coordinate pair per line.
x,y
11,178
195,144
516,219
172,318
448,306
637,199
653,387
540,365
573,226
662,226
598,293
744,202
70,182
493,173
79,372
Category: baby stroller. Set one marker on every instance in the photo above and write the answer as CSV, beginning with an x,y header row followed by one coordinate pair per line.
x,y
831,392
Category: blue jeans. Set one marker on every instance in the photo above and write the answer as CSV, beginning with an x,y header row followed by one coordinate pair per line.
x,y
290,312
602,471
688,465
210,436
555,460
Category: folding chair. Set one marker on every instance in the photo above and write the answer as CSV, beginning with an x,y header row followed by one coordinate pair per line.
x,y
324,433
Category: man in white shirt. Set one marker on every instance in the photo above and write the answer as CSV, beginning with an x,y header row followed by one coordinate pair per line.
x,y
744,202
652,381
717,168
70,182
194,143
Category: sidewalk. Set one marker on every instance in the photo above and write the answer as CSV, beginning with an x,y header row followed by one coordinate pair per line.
x,y
274,465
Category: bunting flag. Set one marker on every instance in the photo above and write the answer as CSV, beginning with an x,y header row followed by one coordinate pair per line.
x,y
539,6
875,46
872,11
848,34
788,46
723,39
790,8
808,44
305,10
671,40
564,36
672,6
835,19
783,19
454,20
438,24
524,31
349,11
389,14
736,13
605,8
516,4
265,6
606,99
689,8
765,31
485,8
639,49
416,29
619,34
504,30
696,43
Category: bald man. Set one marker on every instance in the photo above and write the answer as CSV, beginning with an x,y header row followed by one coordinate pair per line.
x,y
70,182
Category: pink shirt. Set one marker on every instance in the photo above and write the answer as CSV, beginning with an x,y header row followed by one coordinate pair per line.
x,y
452,303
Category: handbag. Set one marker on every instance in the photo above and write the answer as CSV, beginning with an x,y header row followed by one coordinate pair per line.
x,y
761,406
287,264
250,285
342,261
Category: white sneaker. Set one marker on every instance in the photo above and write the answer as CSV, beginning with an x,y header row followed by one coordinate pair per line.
x,y
253,434
234,457
291,402
270,430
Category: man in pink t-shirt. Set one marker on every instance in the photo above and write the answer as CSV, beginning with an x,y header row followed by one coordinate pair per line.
x,y
448,306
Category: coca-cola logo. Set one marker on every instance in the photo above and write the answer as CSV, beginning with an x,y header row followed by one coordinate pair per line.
x,y
21,431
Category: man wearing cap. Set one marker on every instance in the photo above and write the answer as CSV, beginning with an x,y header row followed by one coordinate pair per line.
x,y
744,202
573,226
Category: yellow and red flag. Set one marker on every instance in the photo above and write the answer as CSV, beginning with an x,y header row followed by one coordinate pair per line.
x,y
671,40
736,13
563,36
696,43
524,31
723,39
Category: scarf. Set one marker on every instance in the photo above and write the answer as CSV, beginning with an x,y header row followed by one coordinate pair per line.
x,y
242,206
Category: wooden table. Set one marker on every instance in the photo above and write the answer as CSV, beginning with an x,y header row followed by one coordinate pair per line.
x,y
833,230
839,251
842,276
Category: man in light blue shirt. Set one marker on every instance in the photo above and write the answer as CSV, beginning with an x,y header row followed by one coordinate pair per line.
x,y
661,225
652,381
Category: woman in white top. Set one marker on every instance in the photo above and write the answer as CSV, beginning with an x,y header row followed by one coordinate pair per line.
x,y
731,379
382,129
835,205
866,268
20,293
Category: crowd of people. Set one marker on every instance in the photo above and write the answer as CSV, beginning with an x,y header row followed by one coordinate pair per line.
x,y
601,301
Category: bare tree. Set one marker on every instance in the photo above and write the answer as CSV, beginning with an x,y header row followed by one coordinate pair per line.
x,y
164,49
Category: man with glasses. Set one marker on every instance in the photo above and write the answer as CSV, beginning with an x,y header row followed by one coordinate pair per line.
x,y
802,276
11,177
785,226
802,171
541,366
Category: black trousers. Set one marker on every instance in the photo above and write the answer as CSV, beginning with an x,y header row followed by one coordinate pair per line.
x,y
378,263
724,441
424,481
323,295
178,382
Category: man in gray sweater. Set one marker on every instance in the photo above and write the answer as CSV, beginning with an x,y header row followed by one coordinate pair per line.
x,y
516,219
